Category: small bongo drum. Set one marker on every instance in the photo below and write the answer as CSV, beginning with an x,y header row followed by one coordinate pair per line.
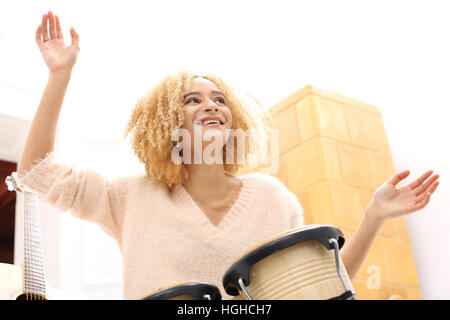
x,y
301,264
186,291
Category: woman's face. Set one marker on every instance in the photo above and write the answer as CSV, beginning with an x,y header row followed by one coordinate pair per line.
x,y
203,101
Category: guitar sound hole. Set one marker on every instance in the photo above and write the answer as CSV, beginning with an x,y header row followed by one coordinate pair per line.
x,y
31,296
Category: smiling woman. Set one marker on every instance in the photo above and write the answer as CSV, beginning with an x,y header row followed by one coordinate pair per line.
x,y
165,108
180,222
175,222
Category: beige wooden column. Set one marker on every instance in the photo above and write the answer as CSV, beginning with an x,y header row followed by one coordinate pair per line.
x,y
334,153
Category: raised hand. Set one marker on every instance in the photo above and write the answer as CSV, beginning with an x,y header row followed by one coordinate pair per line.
x,y
391,202
57,56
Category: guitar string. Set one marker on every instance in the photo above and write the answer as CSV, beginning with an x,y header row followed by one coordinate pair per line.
x,y
26,248
36,222
26,266
28,245
25,271
32,217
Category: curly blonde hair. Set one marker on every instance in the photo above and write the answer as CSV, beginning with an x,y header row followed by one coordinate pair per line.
x,y
159,112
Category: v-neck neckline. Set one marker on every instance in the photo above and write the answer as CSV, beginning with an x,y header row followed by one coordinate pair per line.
x,y
238,207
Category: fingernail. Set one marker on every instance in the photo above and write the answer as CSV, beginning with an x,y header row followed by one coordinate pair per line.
x,y
199,123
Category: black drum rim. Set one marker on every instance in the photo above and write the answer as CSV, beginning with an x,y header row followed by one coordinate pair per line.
x,y
241,268
198,290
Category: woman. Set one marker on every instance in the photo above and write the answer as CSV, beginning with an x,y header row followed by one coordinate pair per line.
x,y
183,221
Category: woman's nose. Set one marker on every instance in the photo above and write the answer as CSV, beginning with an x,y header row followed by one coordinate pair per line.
x,y
211,105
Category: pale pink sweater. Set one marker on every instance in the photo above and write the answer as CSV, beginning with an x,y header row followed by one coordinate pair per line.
x,y
165,238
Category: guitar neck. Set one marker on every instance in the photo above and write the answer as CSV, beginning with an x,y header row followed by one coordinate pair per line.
x,y
33,262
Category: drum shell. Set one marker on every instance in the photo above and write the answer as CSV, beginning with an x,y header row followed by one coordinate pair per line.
x,y
305,271
297,264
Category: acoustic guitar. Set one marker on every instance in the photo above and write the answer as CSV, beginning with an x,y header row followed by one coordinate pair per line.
x,y
28,282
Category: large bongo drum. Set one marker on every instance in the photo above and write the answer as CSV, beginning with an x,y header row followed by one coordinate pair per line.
x,y
186,291
301,264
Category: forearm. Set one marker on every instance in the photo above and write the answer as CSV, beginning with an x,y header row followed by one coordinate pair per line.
x,y
42,133
356,250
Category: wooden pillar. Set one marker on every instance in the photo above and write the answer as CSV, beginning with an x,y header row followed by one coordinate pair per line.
x,y
334,154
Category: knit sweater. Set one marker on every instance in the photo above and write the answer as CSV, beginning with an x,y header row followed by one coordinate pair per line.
x,y
164,237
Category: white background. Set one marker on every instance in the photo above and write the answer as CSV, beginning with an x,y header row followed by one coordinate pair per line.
x,y
392,54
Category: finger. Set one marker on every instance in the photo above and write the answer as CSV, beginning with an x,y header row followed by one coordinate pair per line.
x,y
398,177
420,198
419,181
422,201
52,28
434,187
59,34
44,26
75,37
425,186
428,193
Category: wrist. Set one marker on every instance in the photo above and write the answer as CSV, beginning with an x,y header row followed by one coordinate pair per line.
x,y
374,215
60,74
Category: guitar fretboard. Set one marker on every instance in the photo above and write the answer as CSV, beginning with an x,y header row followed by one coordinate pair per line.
x,y
33,263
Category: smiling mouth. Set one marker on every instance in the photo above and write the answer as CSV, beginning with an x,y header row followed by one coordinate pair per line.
x,y
209,124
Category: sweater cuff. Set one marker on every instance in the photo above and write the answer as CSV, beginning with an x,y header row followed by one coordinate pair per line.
x,y
41,174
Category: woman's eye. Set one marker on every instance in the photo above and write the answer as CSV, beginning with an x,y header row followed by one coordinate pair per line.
x,y
192,99
221,100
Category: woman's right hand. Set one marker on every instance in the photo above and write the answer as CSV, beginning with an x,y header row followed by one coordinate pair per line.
x,y
57,56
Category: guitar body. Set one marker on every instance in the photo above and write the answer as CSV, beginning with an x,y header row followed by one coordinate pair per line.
x,y
11,287
11,283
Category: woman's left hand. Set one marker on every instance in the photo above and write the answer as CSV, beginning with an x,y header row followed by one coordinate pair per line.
x,y
389,201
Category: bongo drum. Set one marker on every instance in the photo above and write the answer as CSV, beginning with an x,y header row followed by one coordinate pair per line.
x,y
301,264
186,291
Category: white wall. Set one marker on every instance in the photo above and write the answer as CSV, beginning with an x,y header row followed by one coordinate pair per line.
x,y
80,260
392,54
420,145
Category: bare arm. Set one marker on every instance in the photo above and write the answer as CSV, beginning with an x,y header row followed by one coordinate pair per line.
x,y
60,61
355,252
41,137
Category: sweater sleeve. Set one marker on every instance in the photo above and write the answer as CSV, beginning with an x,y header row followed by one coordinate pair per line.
x,y
86,194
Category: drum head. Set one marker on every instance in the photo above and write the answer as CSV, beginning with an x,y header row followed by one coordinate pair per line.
x,y
241,268
196,290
